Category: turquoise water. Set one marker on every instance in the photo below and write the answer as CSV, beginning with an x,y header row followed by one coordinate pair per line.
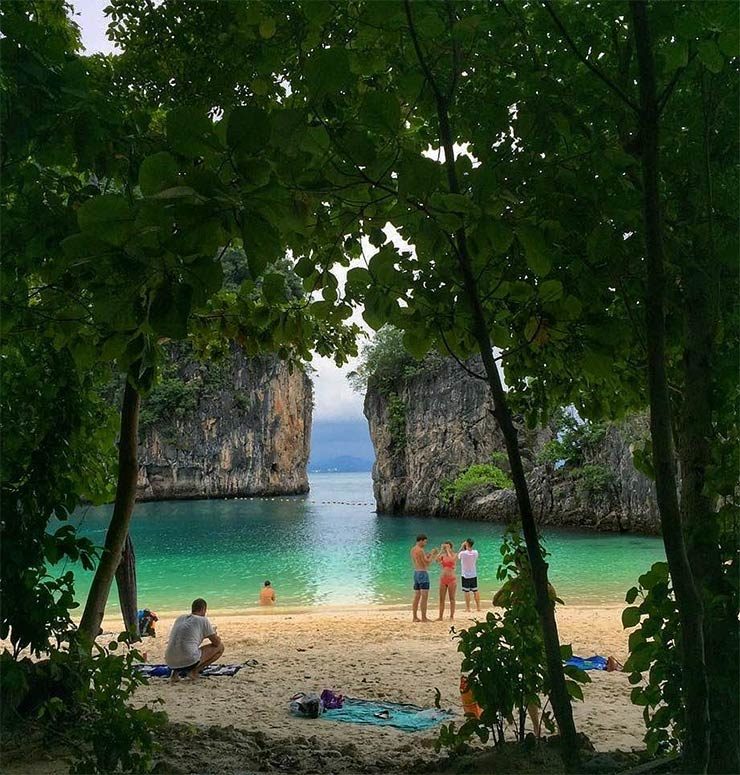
x,y
329,547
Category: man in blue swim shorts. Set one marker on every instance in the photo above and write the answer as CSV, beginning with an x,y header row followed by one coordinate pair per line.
x,y
421,561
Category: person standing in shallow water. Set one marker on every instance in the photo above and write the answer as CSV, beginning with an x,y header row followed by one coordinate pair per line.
x,y
421,561
469,561
267,594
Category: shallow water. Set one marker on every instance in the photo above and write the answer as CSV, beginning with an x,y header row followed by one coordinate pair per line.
x,y
330,548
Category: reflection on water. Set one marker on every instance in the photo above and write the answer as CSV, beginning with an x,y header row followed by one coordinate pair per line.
x,y
317,549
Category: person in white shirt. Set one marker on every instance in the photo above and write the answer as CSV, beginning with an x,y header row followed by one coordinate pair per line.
x,y
185,654
468,564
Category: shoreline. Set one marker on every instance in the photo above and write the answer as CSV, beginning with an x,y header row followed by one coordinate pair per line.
x,y
331,609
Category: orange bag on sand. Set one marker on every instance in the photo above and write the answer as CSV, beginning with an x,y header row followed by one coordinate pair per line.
x,y
470,706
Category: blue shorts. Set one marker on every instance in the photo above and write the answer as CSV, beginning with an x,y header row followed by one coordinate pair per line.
x,y
421,580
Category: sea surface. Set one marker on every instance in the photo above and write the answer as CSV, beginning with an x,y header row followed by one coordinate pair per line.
x,y
329,547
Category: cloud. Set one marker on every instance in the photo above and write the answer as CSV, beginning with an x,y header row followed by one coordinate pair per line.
x,y
93,24
334,399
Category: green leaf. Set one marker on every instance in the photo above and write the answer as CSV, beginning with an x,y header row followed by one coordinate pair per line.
x,y
267,28
304,267
381,111
262,243
84,247
729,43
577,674
248,129
374,317
574,690
500,234
382,266
710,55
638,697
631,595
636,638
169,311
190,132
273,287
453,203
416,343
630,617
535,250
255,172
328,71
358,279
551,290
206,277
566,650
676,54
157,173
107,217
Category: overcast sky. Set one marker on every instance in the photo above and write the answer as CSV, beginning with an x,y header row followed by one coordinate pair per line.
x,y
334,399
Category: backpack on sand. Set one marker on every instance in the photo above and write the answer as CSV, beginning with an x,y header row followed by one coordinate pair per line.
x,y
307,705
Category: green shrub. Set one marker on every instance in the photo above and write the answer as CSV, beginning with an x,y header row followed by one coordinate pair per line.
x,y
84,698
572,440
592,480
242,402
472,477
504,659
170,400
384,360
654,661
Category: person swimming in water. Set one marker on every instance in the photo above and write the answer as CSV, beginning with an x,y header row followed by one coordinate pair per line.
x,y
448,580
267,595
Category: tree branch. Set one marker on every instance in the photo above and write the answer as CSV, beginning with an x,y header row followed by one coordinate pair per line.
x,y
460,363
586,61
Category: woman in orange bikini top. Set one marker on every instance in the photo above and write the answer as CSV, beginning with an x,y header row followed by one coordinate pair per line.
x,y
448,580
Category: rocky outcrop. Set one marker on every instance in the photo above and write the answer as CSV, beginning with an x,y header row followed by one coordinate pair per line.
x,y
232,428
430,427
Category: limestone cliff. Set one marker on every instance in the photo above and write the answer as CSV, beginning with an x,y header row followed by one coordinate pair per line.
x,y
429,427
232,428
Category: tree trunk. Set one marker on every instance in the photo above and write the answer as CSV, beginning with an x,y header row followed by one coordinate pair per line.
x,y
124,505
558,690
700,520
701,526
126,583
689,603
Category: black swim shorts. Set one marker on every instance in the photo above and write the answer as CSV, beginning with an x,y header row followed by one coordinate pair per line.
x,y
470,585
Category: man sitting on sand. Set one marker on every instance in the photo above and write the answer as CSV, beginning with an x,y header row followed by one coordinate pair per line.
x,y
468,567
421,561
184,653
267,595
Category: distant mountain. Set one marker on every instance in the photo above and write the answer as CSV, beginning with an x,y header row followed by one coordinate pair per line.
x,y
341,464
341,445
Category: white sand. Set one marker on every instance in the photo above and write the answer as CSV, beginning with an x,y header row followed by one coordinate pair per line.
x,y
373,653
377,654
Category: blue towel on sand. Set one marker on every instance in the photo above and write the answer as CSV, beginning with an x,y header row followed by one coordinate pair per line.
x,y
409,718
587,663
162,671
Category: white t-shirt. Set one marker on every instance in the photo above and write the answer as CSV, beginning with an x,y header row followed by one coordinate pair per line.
x,y
468,559
186,635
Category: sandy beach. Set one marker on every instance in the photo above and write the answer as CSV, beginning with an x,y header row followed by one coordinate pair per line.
x,y
371,653
376,654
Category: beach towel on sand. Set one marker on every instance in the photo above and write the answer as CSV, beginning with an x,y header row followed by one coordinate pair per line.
x,y
163,671
587,663
408,718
